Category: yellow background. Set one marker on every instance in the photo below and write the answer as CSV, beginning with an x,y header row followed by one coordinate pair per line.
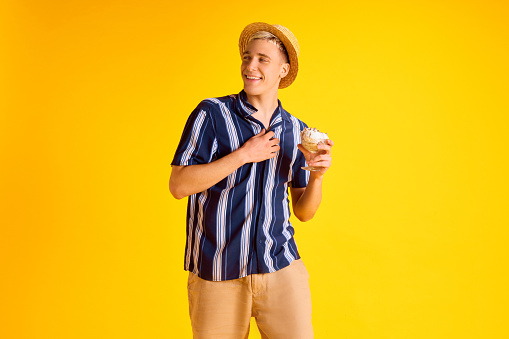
x,y
410,240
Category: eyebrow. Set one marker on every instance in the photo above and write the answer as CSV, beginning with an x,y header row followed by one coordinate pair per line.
x,y
261,54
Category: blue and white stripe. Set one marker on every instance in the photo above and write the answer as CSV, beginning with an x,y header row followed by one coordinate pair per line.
x,y
241,225
268,201
222,212
195,134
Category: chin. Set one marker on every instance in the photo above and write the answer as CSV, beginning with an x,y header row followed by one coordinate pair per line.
x,y
253,91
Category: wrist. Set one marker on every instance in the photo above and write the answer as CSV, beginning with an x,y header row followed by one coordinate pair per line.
x,y
316,177
240,157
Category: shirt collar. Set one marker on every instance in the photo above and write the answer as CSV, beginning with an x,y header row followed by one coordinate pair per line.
x,y
245,108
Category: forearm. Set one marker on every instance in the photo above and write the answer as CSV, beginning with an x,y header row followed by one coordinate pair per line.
x,y
306,201
309,201
188,180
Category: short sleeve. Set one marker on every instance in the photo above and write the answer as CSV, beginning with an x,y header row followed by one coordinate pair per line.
x,y
198,142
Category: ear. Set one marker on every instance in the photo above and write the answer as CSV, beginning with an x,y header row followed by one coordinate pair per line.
x,y
285,68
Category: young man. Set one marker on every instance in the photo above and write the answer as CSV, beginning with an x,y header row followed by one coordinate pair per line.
x,y
237,158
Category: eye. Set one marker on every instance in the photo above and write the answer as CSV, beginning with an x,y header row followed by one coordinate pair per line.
x,y
264,60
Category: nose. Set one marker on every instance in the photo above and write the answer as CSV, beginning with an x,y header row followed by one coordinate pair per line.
x,y
252,65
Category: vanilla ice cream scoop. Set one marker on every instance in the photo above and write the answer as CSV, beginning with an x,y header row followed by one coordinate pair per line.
x,y
311,137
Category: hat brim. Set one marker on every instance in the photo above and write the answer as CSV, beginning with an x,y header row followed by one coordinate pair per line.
x,y
286,37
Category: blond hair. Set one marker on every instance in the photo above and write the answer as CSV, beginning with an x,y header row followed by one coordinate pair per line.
x,y
264,35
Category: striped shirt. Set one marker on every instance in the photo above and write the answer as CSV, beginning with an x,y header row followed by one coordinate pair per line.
x,y
240,226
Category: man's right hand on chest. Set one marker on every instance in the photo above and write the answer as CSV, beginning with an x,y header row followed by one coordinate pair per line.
x,y
261,147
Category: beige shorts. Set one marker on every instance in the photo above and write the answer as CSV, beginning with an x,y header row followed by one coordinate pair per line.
x,y
279,301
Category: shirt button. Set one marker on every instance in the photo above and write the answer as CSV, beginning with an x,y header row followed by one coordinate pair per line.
x,y
260,241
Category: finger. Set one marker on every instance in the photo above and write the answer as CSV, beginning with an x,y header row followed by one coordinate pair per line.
x,y
269,134
274,141
325,150
322,157
274,151
321,163
324,146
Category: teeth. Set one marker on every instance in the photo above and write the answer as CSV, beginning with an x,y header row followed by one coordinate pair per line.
x,y
252,78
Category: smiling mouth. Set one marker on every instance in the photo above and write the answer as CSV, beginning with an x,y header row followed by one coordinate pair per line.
x,y
253,78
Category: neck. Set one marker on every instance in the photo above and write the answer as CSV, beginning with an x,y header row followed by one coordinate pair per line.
x,y
265,103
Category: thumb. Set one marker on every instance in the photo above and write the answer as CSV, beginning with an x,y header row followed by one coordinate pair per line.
x,y
302,149
262,132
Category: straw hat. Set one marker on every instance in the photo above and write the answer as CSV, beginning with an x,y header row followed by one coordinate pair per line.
x,y
288,39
